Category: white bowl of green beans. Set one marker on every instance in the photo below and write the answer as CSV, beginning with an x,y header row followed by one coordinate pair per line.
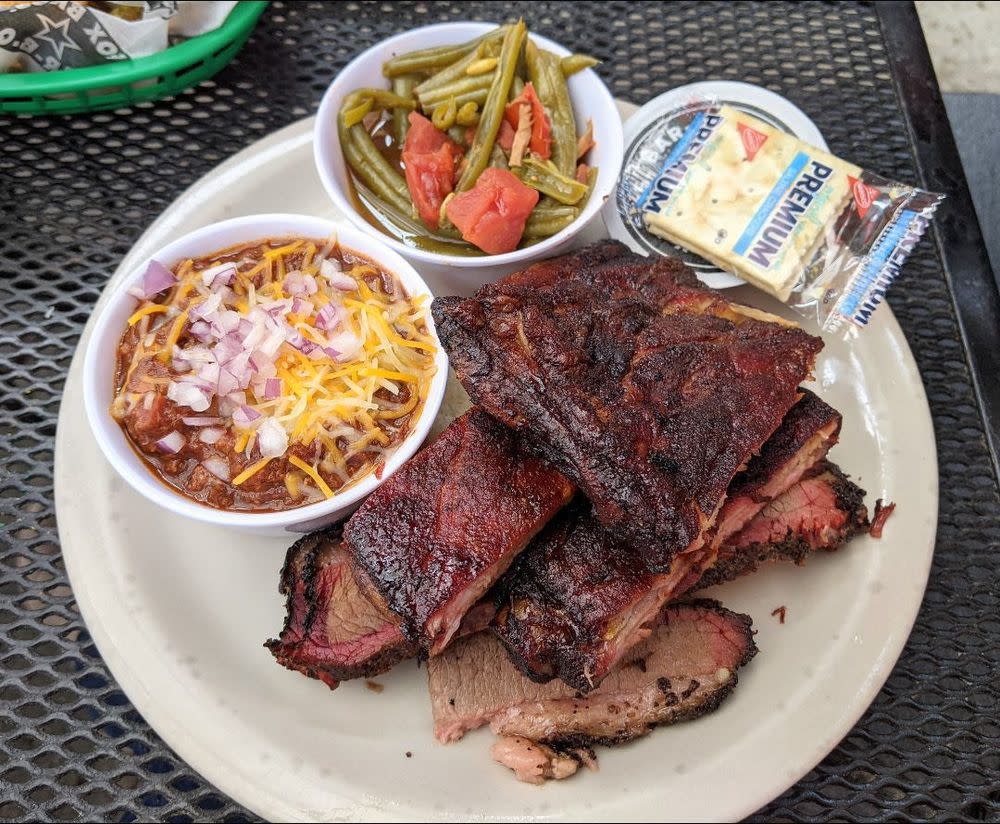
x,y
428,65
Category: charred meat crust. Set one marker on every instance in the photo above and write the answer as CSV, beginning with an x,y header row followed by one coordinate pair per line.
x,y
685,667
630,378
435,536
303,644
569,603
684,709
556,602
848,517
808,417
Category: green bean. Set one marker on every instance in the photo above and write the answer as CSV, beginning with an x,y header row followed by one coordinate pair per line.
x,y
577,63
456,71
464,86
457,133
369,175
434,59
468,114
403,87
493,108
546,178
498,160
550,86
382,98
445,241
444,115
516,87
549,222
356,114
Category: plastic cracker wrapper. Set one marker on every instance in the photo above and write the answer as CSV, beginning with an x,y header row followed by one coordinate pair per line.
x,y
822,235
50,36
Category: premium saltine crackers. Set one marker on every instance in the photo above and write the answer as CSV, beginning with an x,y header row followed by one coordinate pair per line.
x,y
811,229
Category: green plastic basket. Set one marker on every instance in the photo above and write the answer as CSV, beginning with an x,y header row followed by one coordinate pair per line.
x,y
125,82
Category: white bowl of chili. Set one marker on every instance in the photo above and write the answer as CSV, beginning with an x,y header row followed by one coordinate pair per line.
x,y
274,408
459,271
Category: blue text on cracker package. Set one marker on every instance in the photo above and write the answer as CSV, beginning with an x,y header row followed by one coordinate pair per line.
x,y
822,235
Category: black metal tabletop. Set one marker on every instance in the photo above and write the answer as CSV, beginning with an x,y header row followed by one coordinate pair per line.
x,y
76,192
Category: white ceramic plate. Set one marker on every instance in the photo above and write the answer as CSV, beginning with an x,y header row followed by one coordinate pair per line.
x,y
179,611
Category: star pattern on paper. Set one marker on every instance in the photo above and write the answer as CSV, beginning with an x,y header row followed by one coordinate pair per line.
x,y
56,35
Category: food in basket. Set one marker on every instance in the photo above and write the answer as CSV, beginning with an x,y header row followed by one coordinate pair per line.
x,y
71,35
635,437
272,374
473,149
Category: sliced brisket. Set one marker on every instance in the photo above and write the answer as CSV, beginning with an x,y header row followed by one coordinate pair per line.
x,y
683,669
332,630
579,597
646,389
819,512
435,536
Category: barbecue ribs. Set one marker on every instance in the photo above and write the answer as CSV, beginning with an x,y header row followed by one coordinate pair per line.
x,y
646,389
436,535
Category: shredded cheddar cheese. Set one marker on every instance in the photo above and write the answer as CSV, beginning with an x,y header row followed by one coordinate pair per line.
x,y
250,471
353,357
312,473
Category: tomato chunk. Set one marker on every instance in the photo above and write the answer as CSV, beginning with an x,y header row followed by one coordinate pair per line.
x,y
541,129
430,157
492,214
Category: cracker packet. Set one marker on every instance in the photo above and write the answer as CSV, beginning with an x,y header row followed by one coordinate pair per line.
x,y
822,235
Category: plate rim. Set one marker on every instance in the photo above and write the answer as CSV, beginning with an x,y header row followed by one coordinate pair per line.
x,y
204,761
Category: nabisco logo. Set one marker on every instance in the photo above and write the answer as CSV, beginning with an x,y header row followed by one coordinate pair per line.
x,y
752,140
864,195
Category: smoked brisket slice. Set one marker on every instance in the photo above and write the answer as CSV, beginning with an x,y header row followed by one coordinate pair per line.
x,y
684,668
579,597
332,630
435,536
646,389
820,512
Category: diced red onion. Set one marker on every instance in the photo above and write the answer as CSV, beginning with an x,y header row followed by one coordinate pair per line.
x,y
296,339
294,284
185,393
328,317
272,389
272,439
244,416
229,403
206,421
301,306
340,281
346,343
156,278
172,443
200,330
263,365
227,382
211,435
218,467
217,276
311,286
329,267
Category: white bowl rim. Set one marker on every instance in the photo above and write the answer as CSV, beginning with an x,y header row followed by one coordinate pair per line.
x,y
140,478
613,132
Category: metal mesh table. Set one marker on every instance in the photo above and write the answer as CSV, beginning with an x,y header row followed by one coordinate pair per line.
x,y
76,192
